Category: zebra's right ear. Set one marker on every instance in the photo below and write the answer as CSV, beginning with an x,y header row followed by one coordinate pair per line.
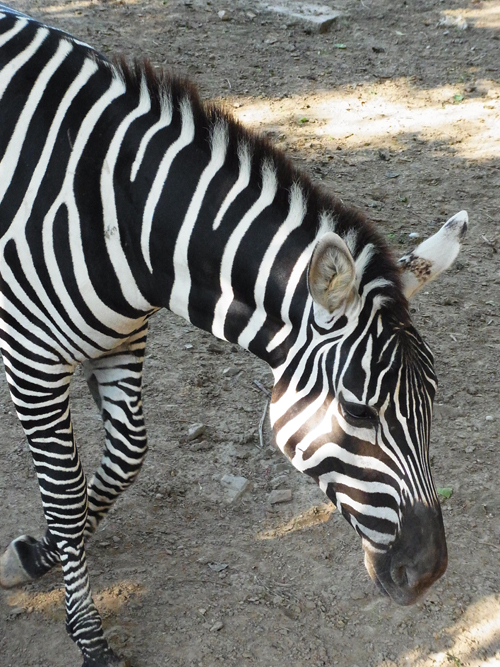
x,y
332,273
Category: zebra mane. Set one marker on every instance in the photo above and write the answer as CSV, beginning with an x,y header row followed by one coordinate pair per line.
x,y
167,89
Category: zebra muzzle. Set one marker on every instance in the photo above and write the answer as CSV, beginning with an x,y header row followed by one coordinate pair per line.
x,y
416,559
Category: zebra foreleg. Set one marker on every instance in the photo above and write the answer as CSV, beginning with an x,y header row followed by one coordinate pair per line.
x,y
115,382
46,419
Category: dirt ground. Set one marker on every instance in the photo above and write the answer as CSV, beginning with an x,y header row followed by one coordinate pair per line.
x,y
396,109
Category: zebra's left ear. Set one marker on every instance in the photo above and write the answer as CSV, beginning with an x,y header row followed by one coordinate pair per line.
x,y
434,255
332,273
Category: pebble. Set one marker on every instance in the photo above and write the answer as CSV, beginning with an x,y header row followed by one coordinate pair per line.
x,y
217,626
195,430
217,567
223,15
16,611
317,18
235,486
469,449
414,235
231,371
278,481
489,418
280,496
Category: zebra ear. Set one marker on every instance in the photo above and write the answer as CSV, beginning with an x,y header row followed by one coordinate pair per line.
x,y
434,255
332,273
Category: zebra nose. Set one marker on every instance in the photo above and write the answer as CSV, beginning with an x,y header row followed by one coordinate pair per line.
x,y
416,559
419,555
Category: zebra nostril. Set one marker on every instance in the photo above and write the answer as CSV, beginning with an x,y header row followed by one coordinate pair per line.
x,y
399,575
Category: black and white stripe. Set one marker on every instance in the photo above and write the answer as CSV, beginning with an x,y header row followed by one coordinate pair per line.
x,y
120,193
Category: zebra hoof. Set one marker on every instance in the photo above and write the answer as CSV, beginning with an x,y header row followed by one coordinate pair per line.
x,y
12,572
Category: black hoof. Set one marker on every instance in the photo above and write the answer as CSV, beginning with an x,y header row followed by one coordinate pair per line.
x,y
12,569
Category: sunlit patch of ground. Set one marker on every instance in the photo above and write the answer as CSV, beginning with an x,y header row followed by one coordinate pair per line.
x,y
69,8
386,113
312,517
109,600
485,16
475,633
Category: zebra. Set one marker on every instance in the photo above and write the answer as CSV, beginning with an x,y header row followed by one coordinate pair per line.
x,y
121,193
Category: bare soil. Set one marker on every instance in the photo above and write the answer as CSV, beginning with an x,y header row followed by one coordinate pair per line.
x,y
397,110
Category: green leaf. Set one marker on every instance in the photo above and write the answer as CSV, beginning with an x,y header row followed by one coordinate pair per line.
x,y
303,120
457,98
340,46
445,491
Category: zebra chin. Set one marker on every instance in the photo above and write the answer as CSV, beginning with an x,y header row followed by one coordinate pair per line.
x,y
415,560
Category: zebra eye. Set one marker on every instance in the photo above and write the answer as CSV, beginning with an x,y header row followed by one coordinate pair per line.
x,y
357,413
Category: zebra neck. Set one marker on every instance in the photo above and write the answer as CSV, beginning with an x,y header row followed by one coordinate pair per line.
x,y
248,283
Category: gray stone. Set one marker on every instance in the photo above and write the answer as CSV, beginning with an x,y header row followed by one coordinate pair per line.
x,y
319,18
195,431
235,486
217,626
280,496
278,481
231,371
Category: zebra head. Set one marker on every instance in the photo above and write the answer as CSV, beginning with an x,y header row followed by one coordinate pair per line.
x,y
355,409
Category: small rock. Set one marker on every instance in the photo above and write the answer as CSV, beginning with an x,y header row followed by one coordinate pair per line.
x,y
317,18
278,481
217,567
235,486
280,496
231,371
215,349
116,539
469,449
217,626
223,15
490,418
414,235
195,430
16,611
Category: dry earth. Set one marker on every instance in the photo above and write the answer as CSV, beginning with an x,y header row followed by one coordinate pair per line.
x,y
397,110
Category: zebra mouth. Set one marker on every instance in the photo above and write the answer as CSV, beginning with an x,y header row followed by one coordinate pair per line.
x,y
390,583
416,559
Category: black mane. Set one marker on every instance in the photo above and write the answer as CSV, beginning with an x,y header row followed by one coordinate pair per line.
x,y
206,114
